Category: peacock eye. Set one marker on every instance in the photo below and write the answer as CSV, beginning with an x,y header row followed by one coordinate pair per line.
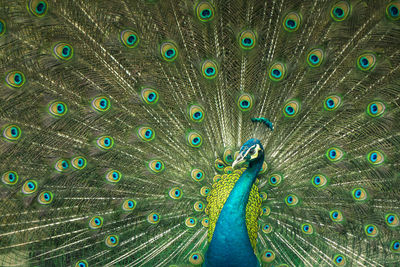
x,y
252,151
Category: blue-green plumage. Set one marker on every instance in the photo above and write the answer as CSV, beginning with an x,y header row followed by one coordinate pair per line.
x,y
120,121
230,244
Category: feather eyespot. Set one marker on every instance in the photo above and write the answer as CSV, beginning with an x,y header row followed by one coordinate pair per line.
x,y
339,260
205,222
315,57
219,165
38,7
113,176
101,103
209,69
79,162
190,222
371,230
319,181
62,165
247,40
334,154
277,72
197,175
267,229
336,216
291,200
129,38
265,211
228,156
112,241
245,102
153,218
375,109
146,133
205,191
196,113
291,22
340,11
156,166
169,51
359,194
29,187
392,219
96,222
263,196
332,102
11,132
393,10
205,11
366,62
10,178
105,142
199,206
291,108
15,79
45,197
275,179
149,96
307,228
375,157
129,205
175,193
268,256
196,258
194,139
58,108
395,246
63,51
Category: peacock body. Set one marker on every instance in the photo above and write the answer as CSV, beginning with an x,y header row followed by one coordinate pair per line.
x,y
199,133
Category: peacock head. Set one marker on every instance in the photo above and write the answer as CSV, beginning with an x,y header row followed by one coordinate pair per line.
x,y
251,152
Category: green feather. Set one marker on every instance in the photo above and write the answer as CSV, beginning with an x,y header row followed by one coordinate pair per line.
x,y
130,112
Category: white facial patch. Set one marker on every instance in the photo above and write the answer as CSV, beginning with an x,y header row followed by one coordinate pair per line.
x,y
257,149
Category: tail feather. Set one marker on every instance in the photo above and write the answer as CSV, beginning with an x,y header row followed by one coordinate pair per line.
x,y
88,134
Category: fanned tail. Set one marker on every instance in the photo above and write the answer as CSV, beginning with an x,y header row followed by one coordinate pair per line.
x,y
118,117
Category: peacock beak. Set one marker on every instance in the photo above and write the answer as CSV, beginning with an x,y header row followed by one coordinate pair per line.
x,y
240,158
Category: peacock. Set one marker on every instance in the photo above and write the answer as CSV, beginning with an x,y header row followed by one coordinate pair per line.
x,y
213,133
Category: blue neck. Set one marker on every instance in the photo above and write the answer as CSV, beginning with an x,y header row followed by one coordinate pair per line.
x,y
230,244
